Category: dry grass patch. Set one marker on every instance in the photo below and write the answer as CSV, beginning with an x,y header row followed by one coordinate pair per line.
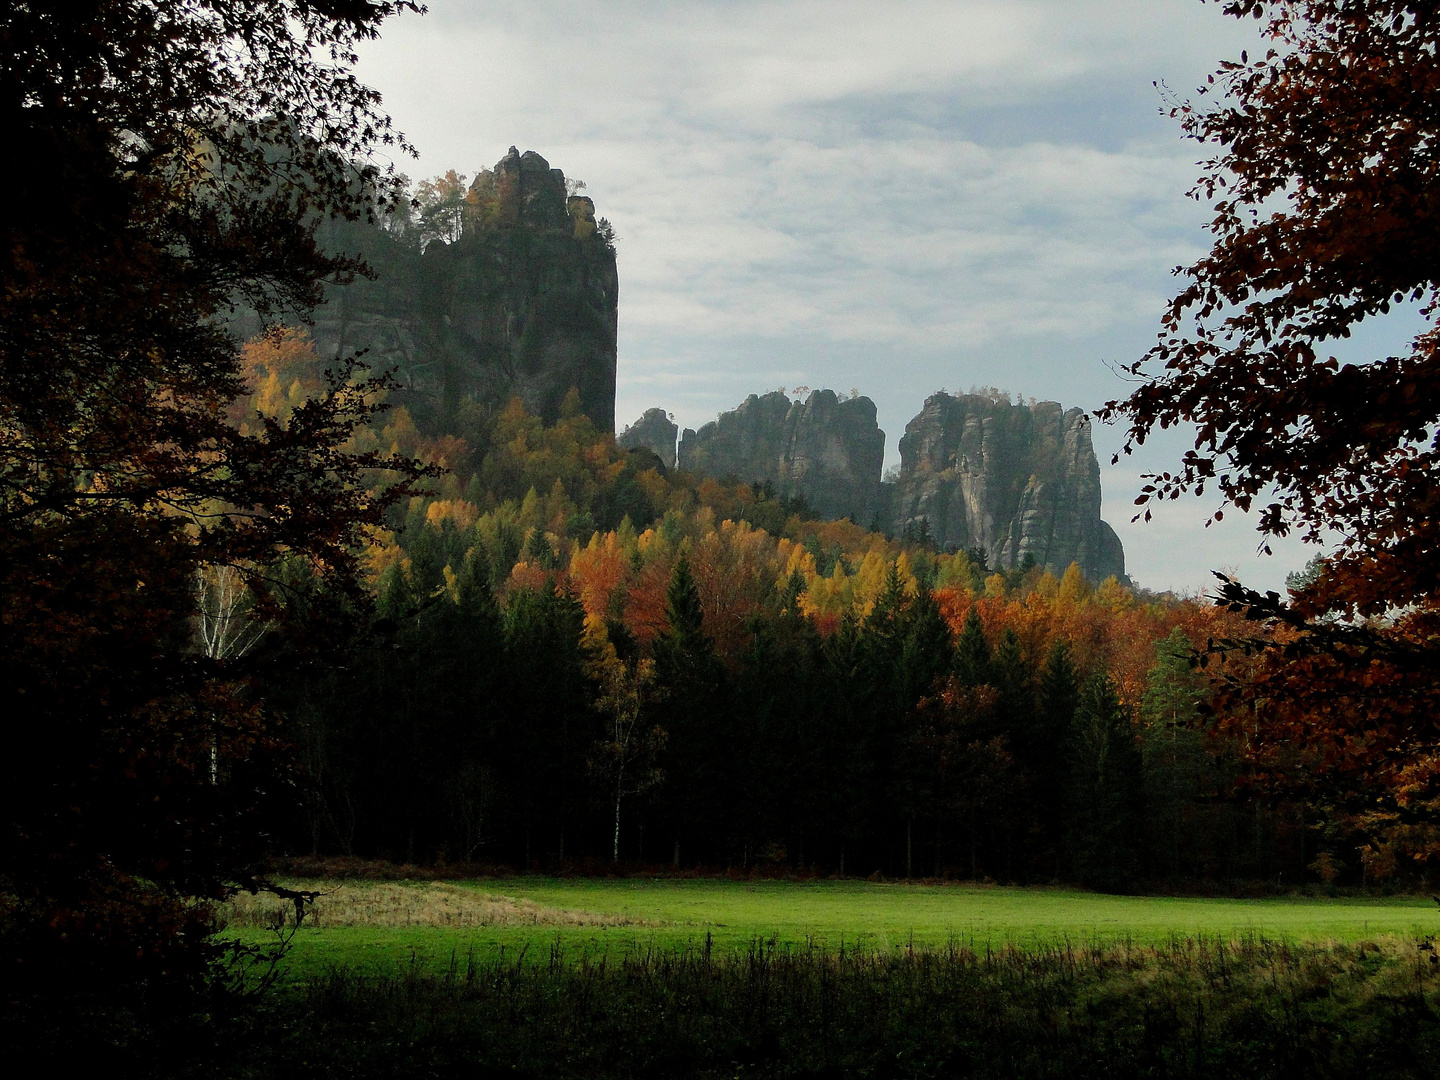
x,y
397,903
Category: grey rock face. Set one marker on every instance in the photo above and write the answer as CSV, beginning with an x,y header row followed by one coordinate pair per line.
x,y
654,431
1013,479
826,449
523,304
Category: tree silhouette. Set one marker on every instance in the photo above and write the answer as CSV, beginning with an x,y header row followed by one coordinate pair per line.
x,y
172,160
1105,793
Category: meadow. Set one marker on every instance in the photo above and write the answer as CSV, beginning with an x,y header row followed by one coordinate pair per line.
x,y
591,978
377,926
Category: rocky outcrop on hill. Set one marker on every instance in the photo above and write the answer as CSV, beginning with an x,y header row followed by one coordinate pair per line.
x,y
520,299
653,431
976,470
827,449
1013,479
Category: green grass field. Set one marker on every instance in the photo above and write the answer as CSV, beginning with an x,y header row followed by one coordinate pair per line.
x,y
670,914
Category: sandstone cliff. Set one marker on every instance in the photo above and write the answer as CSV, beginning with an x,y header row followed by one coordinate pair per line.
x,y
1013,479
827,449
653,431
520,299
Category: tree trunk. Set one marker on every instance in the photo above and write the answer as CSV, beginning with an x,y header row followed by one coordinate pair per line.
x,y
615,853
908,826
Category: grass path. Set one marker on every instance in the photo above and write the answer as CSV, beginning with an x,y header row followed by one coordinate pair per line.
x,y
677,913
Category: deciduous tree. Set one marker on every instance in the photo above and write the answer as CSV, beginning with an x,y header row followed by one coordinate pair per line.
x,y
1326,195
164,161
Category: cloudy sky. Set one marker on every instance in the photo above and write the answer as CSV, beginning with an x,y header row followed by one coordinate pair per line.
x,y
898,197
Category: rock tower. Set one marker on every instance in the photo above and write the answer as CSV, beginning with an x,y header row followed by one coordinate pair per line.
x,y
827,449
522,302
1013,479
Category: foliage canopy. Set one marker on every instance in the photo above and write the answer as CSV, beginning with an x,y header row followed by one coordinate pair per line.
x,y
1325,193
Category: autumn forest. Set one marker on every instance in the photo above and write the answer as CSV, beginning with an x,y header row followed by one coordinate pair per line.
x,y
579,659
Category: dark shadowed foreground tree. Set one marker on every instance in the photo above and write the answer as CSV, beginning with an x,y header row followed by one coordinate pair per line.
x,y
1327,212
164,160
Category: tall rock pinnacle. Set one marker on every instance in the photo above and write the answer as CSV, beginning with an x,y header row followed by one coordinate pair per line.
x,y
1013,479
523,302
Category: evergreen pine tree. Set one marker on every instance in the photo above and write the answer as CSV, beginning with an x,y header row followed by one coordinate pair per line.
x,y
700,757
1059,693
841,742
972,652
396,599
885,618
883,637
927,656
550,725
1015,721
1054,719
427,561
928,652
1106,789
794,589
1174,751
1011,677
879,714
539,551
682,603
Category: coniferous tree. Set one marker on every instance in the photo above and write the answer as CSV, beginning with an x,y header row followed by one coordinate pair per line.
x,y
1174,753
699,758
1105,790
682,605
1054,722
927,656
847,758
551,724
881,714
794,590
928,651
972,652
1010,676
784,715
470,779
1015,723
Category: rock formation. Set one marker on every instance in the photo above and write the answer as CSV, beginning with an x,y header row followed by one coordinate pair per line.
x,y
654,431
1014,479
975,471
826,449
519,300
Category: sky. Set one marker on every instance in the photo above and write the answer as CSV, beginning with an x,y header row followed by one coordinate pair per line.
x,y
897,197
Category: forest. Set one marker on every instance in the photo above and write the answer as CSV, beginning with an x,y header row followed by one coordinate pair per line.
x,y
579,660
255,612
